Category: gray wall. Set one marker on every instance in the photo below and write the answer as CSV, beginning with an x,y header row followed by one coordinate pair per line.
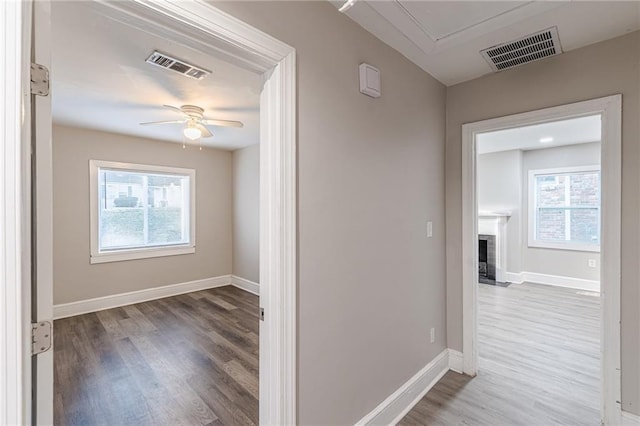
x,y
500,189
74,278
371,174
566,263
246,213
594,71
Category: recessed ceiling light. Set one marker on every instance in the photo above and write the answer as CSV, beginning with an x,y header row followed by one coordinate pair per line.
x,y
546,140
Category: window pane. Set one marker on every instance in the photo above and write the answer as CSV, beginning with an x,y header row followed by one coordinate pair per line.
x,y
121,210
585,225
166,213
551,225
585,189
551,190
139,209
568,207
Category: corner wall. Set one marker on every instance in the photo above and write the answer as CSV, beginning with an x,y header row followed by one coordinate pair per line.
x,y
370,176
595,71
246,213
74,278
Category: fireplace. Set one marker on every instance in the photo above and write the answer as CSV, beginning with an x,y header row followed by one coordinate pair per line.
x,y
492,244
487,258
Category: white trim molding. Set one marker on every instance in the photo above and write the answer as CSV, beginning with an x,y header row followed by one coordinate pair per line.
x,y
456,361
245,285
629,419
554,280
610,109
399,403
514,277
65,310
15,214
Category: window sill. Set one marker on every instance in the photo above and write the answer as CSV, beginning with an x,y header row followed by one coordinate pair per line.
x,y
145,253
567,247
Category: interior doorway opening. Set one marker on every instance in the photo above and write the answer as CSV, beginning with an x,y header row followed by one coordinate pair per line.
x,y
539,196
161,141
551,226
214,31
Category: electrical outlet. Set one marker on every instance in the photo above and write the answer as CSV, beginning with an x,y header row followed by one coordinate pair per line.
x,y
433,335
429,229
592,263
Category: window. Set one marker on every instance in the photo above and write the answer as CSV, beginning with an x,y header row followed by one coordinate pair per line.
x,y
140,211
564,208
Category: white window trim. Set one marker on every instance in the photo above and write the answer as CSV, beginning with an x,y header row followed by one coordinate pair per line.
x,y
98,256
532,209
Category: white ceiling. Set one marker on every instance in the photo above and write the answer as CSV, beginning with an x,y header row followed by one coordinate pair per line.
x,y
566,132
100,80
445,37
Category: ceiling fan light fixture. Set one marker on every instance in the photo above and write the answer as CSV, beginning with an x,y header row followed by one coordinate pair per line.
x,y
191,132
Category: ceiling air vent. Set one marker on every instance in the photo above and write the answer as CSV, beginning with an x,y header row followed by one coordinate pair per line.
x,y
524,50
166,61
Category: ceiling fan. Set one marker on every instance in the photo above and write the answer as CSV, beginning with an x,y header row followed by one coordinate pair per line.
x,y
195,122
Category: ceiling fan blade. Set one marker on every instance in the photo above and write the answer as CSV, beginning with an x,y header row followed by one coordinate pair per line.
x,y
205,132
173,108
163,122
223,123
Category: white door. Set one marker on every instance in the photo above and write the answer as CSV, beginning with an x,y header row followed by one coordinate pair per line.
x,y
42,216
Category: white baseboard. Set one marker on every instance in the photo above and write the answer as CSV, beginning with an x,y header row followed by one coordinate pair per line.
x,y
514,278
554,280
629,419
245,285
107,302
560,281
398,404
456,361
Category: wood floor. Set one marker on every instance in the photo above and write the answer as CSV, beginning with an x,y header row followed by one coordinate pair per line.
x,y
539,363
184,360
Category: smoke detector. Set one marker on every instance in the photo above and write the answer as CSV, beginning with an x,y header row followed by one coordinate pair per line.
x,y
165,61
527,49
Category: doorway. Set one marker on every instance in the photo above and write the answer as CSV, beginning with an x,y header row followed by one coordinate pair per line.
x,y
248,47
609,112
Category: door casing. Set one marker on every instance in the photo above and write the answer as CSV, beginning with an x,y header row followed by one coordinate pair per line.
x,y
610,109
230,39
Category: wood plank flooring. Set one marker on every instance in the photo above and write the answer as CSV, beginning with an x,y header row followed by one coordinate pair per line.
x,y
185,360
539,363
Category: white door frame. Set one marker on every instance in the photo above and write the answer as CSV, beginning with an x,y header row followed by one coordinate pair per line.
x,y
239,43
15,215
610,108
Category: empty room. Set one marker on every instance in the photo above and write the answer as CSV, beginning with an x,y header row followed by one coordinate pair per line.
x,y
155,226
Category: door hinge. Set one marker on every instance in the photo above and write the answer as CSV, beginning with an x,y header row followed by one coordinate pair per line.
x,y
40,337
39,80
261,314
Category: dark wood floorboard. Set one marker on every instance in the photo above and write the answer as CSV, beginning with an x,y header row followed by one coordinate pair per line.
x,y
539,363
185,360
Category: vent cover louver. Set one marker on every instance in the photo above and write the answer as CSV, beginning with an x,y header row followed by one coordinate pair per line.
x,y
524,50
168,62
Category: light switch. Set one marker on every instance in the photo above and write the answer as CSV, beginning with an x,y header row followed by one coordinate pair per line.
x,y
429,229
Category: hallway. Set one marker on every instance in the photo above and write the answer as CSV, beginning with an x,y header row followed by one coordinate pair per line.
x,y
538,363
